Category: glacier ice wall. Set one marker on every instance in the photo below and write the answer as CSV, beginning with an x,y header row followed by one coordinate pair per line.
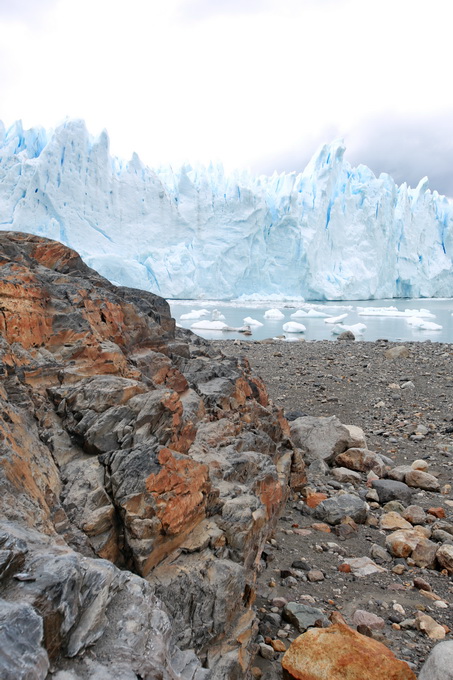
x,y
330,232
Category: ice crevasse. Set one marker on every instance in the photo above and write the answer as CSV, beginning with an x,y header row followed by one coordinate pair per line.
x,y
331,232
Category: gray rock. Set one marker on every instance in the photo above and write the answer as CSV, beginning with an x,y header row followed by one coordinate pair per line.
x,y
390,490
22,656
399,472
302,616
379,554
344,475
439,664
422,480
322,438
346,335
336,508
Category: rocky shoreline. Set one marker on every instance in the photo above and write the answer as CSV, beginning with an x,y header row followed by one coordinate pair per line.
x,y
401,395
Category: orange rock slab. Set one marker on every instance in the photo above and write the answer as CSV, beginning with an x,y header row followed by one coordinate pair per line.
x,y
340,653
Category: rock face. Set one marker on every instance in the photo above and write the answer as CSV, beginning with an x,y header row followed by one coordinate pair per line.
x,y
130,451
340,653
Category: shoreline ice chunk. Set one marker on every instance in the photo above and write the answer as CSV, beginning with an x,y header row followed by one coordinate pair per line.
x,y
294,327
356,329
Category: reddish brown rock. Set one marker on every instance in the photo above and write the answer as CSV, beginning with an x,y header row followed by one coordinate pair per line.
x,y
340,653
127,439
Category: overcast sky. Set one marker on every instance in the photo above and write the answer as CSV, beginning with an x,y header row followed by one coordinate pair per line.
x,y
258,84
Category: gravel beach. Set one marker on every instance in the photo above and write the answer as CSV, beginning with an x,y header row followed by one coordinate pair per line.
x,y
401,395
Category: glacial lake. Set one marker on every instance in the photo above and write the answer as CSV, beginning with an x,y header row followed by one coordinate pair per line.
x,y
392,328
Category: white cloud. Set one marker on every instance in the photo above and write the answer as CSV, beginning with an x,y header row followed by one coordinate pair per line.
x,y
240,82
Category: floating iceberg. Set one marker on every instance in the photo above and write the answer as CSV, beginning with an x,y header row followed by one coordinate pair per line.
x,y
195,314
294,327
252,322
217,316
210,325
331,232
299,314
274,314
423,325
335,319
394,312
316,314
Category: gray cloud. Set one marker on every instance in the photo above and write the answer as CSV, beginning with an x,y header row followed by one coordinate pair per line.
x,y
407,148
295,158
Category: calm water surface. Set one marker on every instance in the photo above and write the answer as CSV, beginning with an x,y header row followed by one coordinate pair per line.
x,y
394,329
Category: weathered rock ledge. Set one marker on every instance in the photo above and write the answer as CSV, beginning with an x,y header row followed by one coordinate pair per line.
x,y
142,472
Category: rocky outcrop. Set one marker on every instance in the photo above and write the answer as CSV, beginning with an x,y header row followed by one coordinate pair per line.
x,y
142,472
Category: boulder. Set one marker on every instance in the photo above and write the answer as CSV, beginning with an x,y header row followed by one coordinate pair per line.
x,y
302,616
389,490
439,664
335,509
340,653
361,460
324,437
422,480
444,556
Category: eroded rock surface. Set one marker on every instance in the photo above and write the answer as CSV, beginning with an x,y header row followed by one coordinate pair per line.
x,y
142,472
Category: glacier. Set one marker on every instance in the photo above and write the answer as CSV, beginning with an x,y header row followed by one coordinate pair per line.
x,y
331,232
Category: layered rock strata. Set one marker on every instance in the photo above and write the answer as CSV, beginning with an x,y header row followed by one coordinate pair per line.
x,y
141,473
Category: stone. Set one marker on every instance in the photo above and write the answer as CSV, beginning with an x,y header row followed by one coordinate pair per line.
x,y
439,513
267,651
421,584
394,506
439,664
315,575
333,510
403,542
444,556
398,352
361,460
390,490
346,335
278,645
393,520
323,437
379,554
346,476
414,514
363,566
340,653
399,472
368,619
422,480
429,626
420,464
314,498
302,616
22,654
